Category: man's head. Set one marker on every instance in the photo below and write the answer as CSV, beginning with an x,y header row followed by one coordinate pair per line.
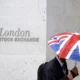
x,y
62,59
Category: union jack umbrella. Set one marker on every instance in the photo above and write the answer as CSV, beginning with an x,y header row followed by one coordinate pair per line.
x,y
66,45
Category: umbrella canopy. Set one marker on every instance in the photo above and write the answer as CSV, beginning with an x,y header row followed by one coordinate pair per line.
x,y
66,45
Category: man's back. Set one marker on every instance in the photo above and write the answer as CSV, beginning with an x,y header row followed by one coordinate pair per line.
x,y
53,71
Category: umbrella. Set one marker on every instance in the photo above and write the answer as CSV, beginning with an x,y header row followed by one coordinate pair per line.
x,y
66,45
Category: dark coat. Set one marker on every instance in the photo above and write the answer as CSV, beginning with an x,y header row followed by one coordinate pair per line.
x,y
53,71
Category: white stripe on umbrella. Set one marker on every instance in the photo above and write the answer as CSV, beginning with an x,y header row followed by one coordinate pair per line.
x,y
64,43
71,51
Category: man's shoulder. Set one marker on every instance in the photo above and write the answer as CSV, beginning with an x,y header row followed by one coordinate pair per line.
x,y
53,61
52,64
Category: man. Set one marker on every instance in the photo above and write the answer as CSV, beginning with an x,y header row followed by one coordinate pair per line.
x,y
56,69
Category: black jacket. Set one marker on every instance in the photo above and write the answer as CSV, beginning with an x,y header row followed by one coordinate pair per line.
x,y
53,71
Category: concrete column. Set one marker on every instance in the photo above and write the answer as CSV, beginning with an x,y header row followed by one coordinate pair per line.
x,y
62,15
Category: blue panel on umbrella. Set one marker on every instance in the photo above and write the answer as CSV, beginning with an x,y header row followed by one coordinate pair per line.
x,y
56,46
75,55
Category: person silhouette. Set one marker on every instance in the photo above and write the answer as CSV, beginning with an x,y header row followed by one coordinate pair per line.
x,y
56,69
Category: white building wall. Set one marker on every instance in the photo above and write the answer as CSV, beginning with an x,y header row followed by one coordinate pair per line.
x,y
20,60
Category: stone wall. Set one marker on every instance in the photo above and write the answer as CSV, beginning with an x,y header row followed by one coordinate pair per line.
x,y
25,21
